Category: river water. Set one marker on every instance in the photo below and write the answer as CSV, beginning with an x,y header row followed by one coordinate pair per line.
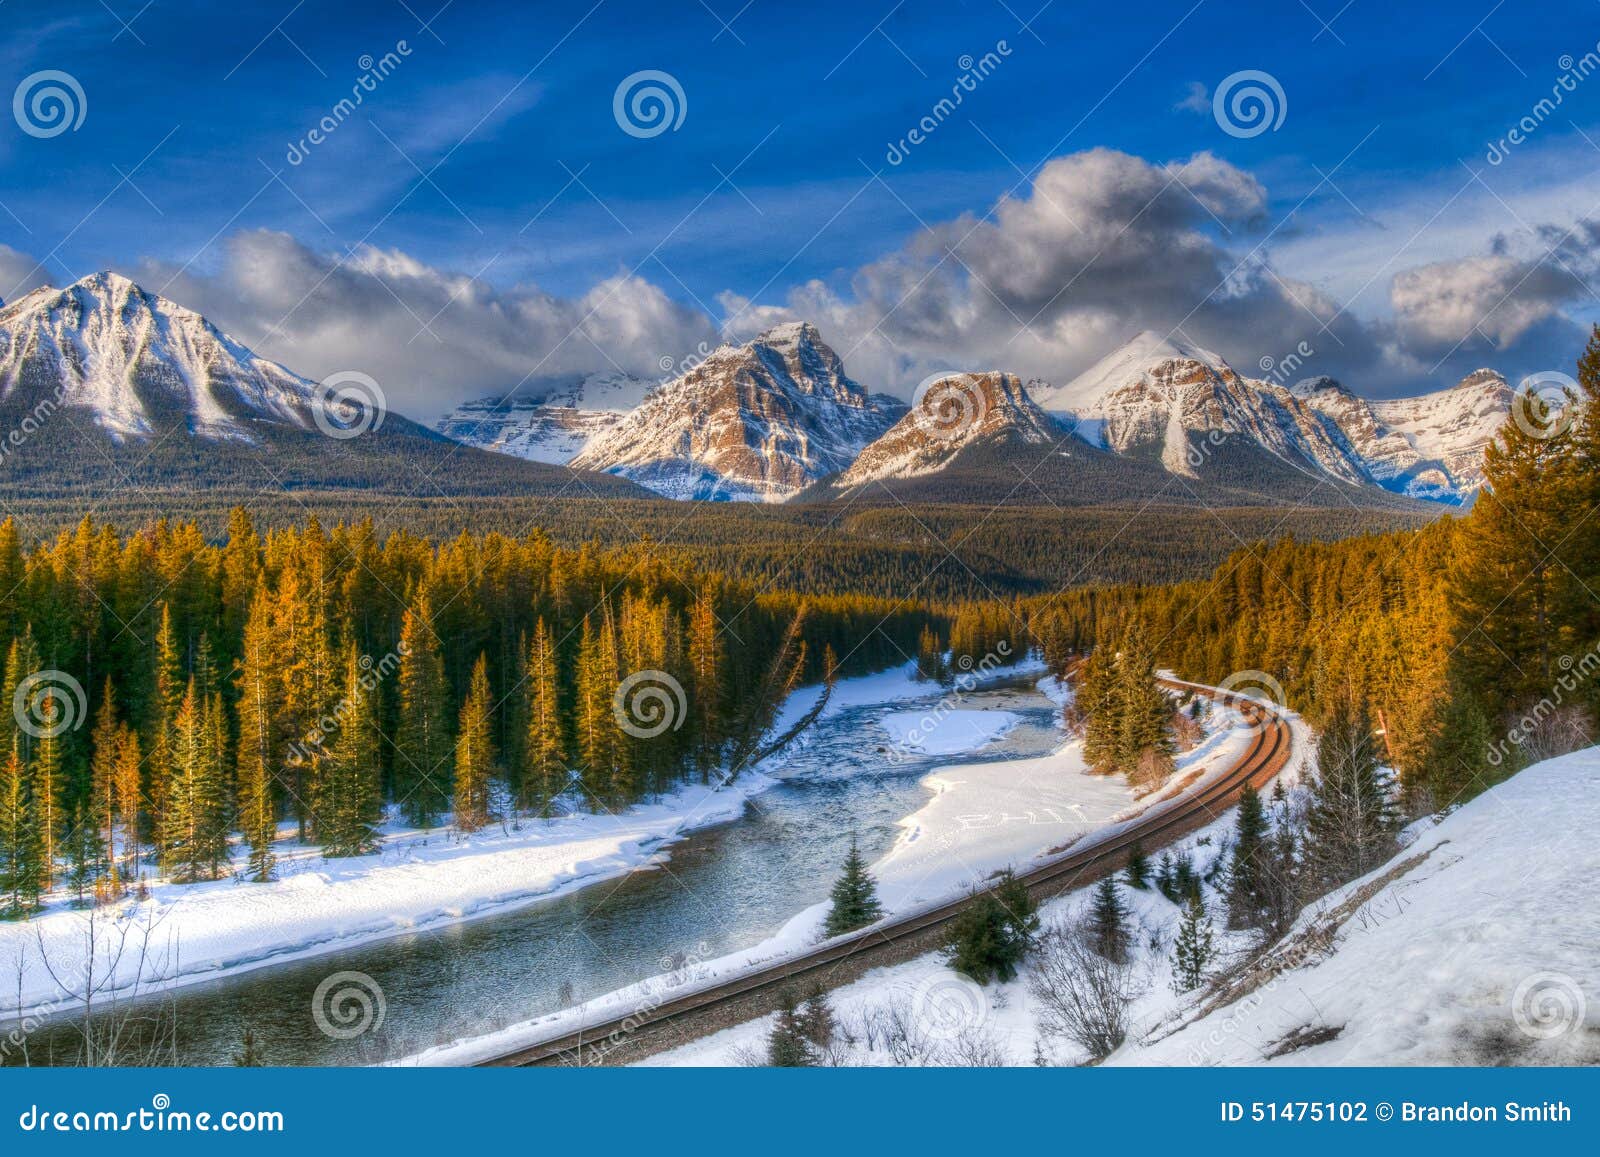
x,y
716,891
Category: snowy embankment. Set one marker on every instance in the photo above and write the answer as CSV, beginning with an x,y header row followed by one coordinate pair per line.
x,y
982,818
189,933
1471,946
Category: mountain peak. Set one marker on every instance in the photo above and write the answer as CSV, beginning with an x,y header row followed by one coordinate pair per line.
x,y
1482,377
1130,362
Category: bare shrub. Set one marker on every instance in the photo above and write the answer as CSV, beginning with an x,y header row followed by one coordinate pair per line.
x,y
1547,734
1082,995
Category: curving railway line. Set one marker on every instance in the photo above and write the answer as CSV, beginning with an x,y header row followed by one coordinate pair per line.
x,y
655,1028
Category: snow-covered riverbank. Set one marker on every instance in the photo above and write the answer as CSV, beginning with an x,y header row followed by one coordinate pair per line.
x,y
191,933
982,818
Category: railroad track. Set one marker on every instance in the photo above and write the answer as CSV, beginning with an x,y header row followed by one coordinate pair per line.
x,y
652,1028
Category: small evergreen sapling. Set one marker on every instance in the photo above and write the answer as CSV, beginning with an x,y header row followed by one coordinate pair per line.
x,y
855,897
1194,949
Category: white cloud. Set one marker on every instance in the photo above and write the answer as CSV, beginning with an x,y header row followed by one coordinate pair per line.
x,y
431,337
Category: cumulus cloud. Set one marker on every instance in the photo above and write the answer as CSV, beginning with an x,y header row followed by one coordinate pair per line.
x,y
1102,246
1491,303
431,337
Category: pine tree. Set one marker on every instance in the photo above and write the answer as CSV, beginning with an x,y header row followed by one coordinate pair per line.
x,y
474,753
1350,824
990,936
855,897
930,656
21,850
260,738
707,655
104,804
596,725
84,851
1108,922
1248,863
547,756
349,803
1193,949
787,1047
129,789
249,1055
169,686
1461,759
1138,869
422,740
47,775
194,826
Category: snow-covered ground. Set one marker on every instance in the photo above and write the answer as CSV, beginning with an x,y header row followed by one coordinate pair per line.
x,y
418,880
982,818
188,933
1472,946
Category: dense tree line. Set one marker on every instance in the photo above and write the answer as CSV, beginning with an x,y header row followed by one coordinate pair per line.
x,y
176,698
1470,643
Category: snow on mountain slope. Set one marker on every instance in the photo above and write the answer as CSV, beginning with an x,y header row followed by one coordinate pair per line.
x,y
107,345
1472,946
553,425
754,422
1427,447
1155,394
948,415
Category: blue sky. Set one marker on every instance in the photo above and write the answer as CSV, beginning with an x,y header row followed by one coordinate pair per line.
x,y
487,178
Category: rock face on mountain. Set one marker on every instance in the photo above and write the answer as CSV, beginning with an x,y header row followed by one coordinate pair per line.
x,y
1178,403
1427,447
131,358
950,415
104,384
759,421
552,424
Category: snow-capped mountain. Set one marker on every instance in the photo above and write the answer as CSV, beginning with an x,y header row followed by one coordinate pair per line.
x,y
759,421
1170,399
1427,447
950,415
131,358
550,425
104,384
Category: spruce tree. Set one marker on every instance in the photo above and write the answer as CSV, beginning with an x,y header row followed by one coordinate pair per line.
x,y
349,805
104,809
422,762
1350,825
546,746
1193,950
260,739
21,851
1108,922
855,897
474,753
707,657
990,936
84,852
1138,869
47,775
130,787
787,1047
1248,863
